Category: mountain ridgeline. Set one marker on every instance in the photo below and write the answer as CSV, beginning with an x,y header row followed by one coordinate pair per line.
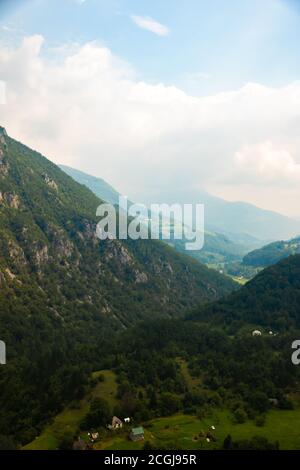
x,y
240,221
63,292
270,301
272,253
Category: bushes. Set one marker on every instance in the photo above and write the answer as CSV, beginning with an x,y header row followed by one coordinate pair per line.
x,y
260,420
259,401
239,416
256,443
98,415
7,443
66,442
169,404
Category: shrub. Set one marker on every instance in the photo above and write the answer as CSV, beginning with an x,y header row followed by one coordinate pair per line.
x,y
240,416
260,420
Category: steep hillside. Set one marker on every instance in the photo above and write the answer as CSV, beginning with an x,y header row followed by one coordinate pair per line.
x,y
271,300
63,292
48,231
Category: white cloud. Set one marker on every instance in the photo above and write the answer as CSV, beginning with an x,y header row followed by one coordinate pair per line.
x,y
268,163
89,110
145,22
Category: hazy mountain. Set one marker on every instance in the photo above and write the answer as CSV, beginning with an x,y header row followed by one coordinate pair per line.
x,y
272,253
244,225
218,247
232,218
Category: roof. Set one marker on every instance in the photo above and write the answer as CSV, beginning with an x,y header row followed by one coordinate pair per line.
x,y
137,431
116,420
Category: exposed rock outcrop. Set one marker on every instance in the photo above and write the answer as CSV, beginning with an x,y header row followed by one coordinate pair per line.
x,y
16,253
41,255
10,199
140,277
50,182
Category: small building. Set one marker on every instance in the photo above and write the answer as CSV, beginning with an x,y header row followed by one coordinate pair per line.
x,y
137,434
116,423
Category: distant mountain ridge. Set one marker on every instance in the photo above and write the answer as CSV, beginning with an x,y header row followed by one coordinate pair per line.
x,y
235,218
218,247
237,227
272,253
99,187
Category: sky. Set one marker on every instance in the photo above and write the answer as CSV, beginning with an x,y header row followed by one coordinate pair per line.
x,y
161,94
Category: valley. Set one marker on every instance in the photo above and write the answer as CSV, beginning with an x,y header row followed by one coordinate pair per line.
x,y
149,232
222,251
170,338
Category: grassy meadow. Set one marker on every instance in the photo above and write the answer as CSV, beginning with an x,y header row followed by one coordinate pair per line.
x,y
179,430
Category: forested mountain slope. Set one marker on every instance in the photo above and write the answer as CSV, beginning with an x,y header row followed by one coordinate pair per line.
x,y
271,300
62,291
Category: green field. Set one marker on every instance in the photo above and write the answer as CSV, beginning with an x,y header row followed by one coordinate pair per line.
x,y
183,431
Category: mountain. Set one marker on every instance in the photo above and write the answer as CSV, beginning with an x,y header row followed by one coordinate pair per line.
x,y
48,221
63,292
218,248
232,218
241,217
272,253
232,229
270,301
